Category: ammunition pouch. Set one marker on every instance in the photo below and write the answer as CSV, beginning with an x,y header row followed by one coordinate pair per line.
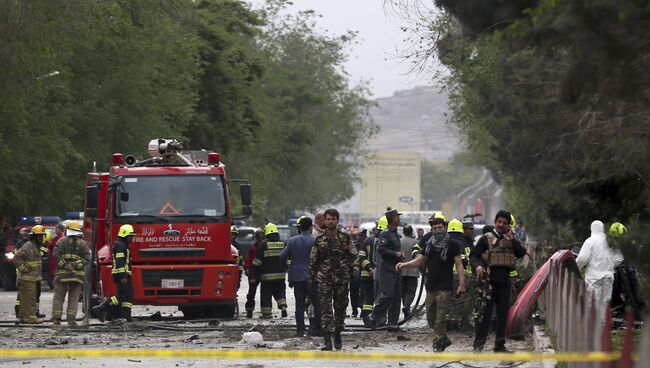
x,y
500,253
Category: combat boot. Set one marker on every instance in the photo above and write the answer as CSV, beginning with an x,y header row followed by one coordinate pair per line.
x,y
328,342
31,321
314,328
284,313
17,310
249,314
100,310
338,344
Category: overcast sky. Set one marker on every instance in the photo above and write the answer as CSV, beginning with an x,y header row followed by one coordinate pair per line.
x,y
373,59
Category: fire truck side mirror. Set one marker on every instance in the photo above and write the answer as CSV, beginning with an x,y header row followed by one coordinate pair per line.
x,y
92,192
246,195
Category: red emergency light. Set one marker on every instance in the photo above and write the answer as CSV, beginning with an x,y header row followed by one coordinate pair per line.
x,y
118,159
213,158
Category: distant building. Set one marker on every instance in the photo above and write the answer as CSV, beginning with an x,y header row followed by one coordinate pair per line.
x,y
390,179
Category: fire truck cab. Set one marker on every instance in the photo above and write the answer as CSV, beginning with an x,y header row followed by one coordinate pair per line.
x,y
179,205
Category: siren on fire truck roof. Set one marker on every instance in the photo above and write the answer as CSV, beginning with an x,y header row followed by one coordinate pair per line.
x,y
164,147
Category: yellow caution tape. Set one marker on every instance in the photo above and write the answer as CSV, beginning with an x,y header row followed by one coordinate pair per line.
x,y
301,354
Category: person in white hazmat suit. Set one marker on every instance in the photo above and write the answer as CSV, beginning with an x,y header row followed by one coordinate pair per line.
x,y
600,260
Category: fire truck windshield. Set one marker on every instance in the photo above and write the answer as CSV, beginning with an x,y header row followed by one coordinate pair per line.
x,y
171,195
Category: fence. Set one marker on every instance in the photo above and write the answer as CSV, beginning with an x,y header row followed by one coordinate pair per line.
x,y
574,319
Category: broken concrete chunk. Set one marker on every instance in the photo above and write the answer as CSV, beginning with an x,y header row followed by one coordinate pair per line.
x,y
252,338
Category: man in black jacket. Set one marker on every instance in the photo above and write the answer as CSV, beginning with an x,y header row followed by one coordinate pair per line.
x,y
494,257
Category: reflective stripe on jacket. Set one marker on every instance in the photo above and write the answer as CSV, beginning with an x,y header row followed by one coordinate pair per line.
x,y
121,259
267,260
71,255
29,266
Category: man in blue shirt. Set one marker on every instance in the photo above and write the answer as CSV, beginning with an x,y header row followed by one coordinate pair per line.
x,y
298,250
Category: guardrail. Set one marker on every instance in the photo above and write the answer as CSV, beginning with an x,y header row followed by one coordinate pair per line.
x,y
574,319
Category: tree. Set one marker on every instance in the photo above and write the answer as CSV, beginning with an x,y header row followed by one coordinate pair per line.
x,y
552,97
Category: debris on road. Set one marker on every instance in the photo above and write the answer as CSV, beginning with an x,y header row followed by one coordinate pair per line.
x,y
252,338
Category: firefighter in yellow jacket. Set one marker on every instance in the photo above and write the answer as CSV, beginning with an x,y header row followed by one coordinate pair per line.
x,y
271,272
71,255
121,276
29,269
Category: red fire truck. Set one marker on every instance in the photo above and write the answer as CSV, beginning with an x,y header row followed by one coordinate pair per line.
x,y
178,203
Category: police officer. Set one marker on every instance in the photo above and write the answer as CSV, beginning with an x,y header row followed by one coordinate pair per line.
x,y
388,297
495,255
29,273
329,265
271,272
71,256
121,276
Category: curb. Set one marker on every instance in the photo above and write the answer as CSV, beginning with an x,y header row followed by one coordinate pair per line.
x,y
543,344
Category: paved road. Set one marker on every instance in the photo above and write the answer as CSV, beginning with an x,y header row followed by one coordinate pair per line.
x,y
278,335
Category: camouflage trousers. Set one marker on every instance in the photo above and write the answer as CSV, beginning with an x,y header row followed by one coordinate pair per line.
x,y
336,296
73,290
437,303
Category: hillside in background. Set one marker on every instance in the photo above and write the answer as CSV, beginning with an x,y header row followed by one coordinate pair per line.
x,y
414,120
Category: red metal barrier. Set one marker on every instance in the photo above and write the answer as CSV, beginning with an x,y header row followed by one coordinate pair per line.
x,y
626,355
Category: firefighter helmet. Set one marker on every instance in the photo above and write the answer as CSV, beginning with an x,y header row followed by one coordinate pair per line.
x,y
382,224
233,230
48,238
455,226
437,215
38,230
270,229
74,225
617,230
126,230
513,222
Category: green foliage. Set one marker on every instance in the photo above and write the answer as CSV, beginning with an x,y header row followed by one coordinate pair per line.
x,y
80,80
307,148
441,180
552,97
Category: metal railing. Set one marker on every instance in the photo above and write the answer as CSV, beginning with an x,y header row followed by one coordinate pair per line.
x,y
575,321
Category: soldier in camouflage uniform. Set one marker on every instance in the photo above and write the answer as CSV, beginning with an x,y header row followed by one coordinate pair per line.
x,y
329,266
